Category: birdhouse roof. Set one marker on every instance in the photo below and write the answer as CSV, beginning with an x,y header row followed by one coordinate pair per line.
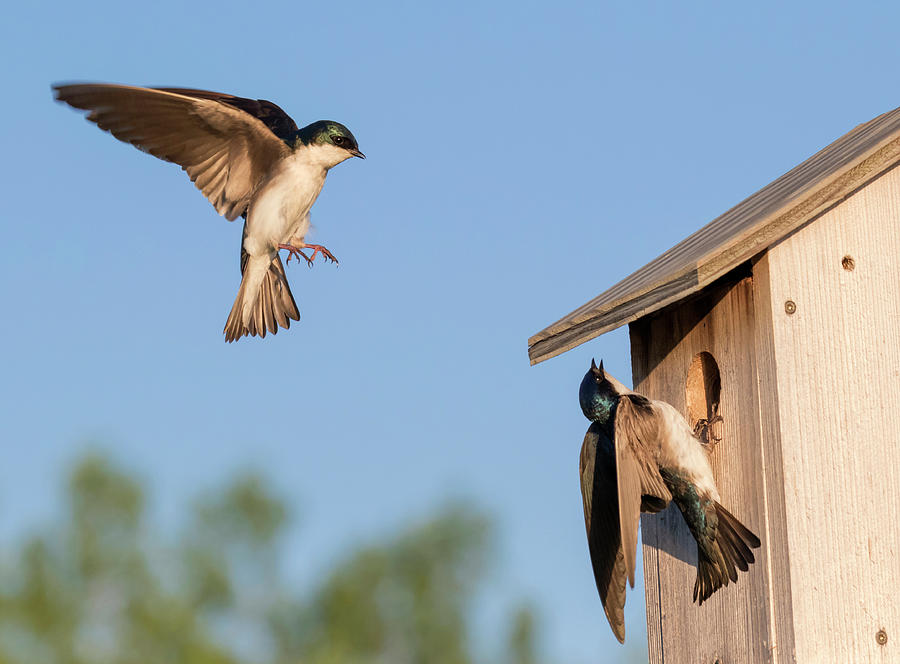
x,y
742,232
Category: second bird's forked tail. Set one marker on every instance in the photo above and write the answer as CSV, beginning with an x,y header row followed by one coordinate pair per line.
x,y
263,303
718,561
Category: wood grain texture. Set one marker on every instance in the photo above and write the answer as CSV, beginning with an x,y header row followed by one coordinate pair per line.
x,y
770,214
734,624
775,539
837,368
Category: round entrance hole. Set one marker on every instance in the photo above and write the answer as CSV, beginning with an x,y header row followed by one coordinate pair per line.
x,y
702,391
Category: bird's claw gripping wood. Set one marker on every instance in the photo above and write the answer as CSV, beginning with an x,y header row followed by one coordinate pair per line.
x,y
295,252
707,431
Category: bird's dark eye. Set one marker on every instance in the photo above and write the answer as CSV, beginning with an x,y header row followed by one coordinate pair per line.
x,y
339,140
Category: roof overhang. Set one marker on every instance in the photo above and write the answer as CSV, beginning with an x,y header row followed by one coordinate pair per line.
x,y
747,229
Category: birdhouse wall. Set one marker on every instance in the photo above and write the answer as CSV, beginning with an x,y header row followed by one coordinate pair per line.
x,y
836,381
736,624
807,346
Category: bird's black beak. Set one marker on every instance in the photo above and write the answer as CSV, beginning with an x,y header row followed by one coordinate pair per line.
x,y
357,153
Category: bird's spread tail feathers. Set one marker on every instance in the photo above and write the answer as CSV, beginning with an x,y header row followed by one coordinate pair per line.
x,y
262,303
719,561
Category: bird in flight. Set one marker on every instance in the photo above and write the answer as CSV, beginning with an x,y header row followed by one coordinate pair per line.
x,y
250,160
638,456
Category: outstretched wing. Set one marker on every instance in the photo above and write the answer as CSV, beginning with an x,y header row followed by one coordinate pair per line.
x,y
597,467
636,432
226,151
270,114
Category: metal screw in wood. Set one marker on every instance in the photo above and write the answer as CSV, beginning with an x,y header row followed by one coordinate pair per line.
x,y
881,637
790,307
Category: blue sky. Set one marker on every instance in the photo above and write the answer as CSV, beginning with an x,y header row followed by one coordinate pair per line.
x,y
522,158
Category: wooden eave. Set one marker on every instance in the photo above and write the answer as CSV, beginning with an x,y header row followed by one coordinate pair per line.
x,y
745,230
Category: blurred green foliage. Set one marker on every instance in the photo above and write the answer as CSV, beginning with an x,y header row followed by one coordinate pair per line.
x,y
101,588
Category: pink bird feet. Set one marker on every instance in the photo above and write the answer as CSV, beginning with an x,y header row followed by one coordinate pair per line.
x,y
296,252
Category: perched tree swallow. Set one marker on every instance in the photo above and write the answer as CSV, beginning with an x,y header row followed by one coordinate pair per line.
x,y
249,159
637,456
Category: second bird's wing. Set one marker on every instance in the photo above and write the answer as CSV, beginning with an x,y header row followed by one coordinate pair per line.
x,y
597,468
637,433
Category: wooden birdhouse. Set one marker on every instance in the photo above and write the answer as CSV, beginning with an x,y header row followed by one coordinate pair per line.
x,y
779,321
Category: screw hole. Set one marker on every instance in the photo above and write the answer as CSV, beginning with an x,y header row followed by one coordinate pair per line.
x,y
790,307
848,263
881,637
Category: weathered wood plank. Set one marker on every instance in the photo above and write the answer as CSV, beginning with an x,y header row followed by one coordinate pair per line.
x,y
781,615
733,625
838,383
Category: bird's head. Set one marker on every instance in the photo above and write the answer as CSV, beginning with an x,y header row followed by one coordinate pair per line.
x,y
597,394
330,141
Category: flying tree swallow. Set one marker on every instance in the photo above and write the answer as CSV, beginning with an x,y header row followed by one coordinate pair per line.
x,y
638,455
247,157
